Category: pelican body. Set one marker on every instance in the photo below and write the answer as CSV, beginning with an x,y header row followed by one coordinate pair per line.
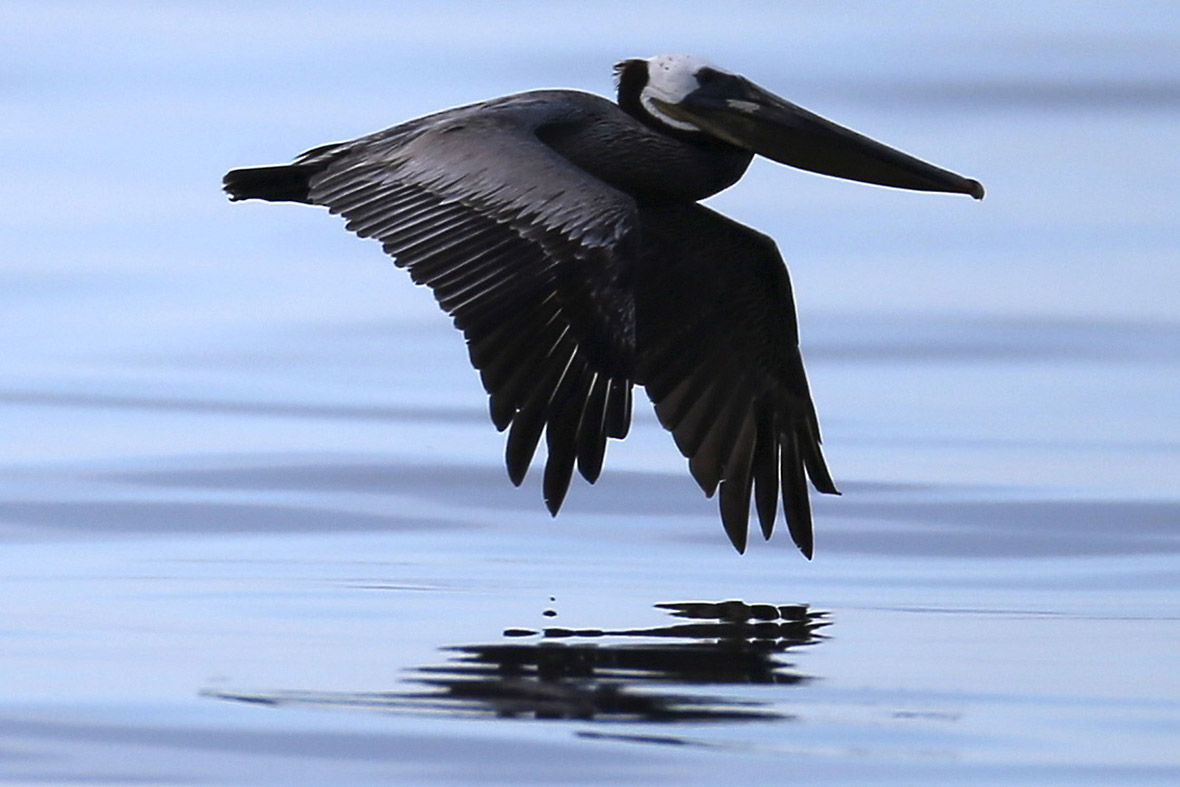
x,y
562,233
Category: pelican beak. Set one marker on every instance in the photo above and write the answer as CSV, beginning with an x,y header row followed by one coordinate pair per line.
x,y
736,110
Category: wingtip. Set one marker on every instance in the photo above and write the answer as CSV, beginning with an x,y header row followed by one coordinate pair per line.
x,y
738,535
556,484
767,528
553,491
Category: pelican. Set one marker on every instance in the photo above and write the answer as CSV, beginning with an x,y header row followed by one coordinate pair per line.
x,y
563,235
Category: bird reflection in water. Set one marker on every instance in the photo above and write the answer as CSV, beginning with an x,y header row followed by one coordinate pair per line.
x,y
646,674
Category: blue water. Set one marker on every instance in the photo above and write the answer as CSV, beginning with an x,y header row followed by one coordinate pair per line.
x,y
250,500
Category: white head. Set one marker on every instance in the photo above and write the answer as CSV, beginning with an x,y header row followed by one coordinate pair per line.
x,y
663,78
670,78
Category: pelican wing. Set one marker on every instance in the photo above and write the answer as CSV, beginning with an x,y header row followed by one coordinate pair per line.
x,y
528,253
718,352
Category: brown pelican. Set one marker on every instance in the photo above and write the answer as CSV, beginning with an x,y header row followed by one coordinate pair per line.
x,y
562,234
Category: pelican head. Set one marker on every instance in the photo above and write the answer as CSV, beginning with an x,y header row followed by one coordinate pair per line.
x,y
690,98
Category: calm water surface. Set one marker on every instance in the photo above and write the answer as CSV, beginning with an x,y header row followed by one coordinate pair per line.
x,y
256,527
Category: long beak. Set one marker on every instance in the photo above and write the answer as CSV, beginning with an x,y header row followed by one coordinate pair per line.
x,y
743,114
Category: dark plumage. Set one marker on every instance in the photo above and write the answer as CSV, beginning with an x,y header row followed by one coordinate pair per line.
x,y
561,233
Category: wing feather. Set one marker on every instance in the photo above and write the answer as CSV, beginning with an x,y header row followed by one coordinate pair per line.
x,y
618,408
734,496
719,356
526,252
766,471
592,430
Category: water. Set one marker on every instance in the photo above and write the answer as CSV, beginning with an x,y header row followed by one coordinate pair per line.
x,y
256,526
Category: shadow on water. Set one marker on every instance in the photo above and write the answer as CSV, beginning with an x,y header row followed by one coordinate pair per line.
x,y
646,674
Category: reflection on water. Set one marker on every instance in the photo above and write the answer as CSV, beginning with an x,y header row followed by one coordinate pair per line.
x,y
643,674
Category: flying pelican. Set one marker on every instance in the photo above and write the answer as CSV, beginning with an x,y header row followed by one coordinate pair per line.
x,y
562,234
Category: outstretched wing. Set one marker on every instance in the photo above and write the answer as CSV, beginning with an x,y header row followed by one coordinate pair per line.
x,y
718,351
528,253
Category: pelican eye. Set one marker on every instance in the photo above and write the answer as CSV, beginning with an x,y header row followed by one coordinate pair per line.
x,y
708,76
